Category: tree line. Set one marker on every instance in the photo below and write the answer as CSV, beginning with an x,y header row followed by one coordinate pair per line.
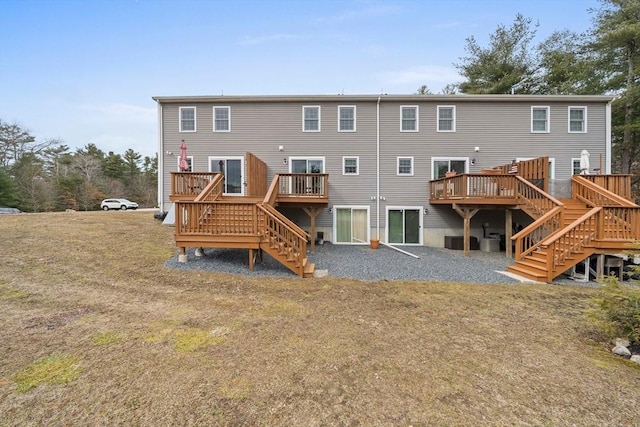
x,y
604,60
45,176
39,176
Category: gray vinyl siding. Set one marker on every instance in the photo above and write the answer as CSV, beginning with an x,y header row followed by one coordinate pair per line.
x,y
501,128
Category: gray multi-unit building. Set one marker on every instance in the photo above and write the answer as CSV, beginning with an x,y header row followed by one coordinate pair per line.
x,y
381,151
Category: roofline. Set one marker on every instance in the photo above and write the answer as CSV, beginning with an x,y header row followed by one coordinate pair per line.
x,y
384,97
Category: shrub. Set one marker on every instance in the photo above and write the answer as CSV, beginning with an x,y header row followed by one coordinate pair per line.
x,y
616,310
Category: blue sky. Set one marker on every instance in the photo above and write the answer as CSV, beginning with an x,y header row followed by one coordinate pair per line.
x,y
84,71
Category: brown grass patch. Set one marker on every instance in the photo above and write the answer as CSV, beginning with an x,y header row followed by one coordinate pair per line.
x,y
161,347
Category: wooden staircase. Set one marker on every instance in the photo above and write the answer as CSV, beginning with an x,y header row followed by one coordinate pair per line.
x,y
534,265
206,218
595,220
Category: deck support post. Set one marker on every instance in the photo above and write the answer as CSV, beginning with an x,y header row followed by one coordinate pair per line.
x,y
251,259
182,257
599,267
508,232
466,214
313,212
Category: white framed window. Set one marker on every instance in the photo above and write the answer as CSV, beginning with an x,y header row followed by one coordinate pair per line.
x,y
187,119
189,162
577,119
441,165
346,118
351,225
311,118
405,166
222,119
575,166
408,118
350,165
540,119
446,118
233,170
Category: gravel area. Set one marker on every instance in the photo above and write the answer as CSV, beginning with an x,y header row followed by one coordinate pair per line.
x,y
364,263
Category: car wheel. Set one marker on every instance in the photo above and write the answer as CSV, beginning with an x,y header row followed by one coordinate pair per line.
x,y
105,208
123,208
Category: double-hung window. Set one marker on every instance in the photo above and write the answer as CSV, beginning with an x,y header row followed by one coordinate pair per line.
x,y
310,119
346,118
409,118
187,119
222,119
405,166
350,165
446,118
540,119
577,119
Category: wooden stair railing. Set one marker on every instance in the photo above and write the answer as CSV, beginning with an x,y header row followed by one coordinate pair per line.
x,y
547,210
612,222
212,191
284,240
595,195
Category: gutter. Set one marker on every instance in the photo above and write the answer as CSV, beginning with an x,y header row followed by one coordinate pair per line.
x,y
378,169
160,160
607,136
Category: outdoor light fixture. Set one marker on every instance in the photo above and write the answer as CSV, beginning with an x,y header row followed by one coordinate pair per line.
x,y
281,147
168,153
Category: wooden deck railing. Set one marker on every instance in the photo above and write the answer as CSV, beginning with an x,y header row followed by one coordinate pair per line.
x,y
303,185
238,218
535,171
618,184
281,232
189,184
472,186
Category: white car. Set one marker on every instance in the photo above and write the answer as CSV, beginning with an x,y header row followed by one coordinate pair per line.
x,y
122,204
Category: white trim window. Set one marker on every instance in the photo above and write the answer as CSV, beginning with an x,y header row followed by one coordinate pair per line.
x,y
540,119
350,165
446,118
408,118
222,119
441,165
405,166
575,166
577,120
311,118
189,162
187,119
346,118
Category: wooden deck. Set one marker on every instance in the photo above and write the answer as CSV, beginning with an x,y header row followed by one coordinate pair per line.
x,y
600,218
206,217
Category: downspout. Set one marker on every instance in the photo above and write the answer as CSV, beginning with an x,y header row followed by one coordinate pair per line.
x,y
378,169
160,160
607,147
